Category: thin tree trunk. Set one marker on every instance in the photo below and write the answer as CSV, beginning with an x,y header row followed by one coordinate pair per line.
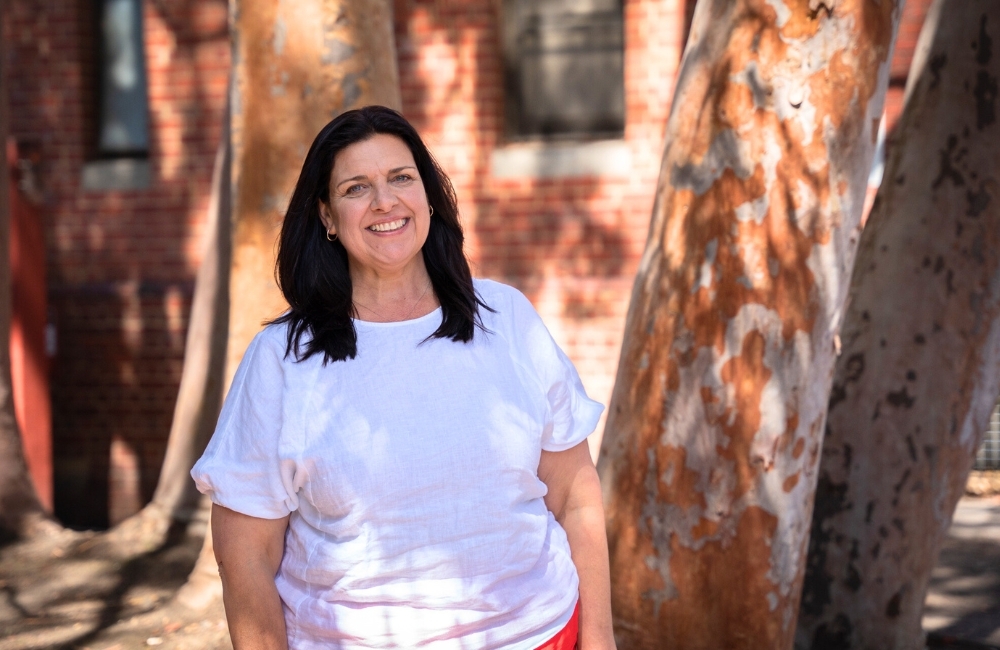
x,y
296,65
920,368
715,424
21,512
199,396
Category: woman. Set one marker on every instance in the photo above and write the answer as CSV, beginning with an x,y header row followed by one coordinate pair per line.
x,y
402,460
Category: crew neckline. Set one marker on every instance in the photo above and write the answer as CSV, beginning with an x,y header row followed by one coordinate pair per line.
x,y
397,323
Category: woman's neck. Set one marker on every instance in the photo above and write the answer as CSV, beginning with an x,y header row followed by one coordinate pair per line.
x,y
393,298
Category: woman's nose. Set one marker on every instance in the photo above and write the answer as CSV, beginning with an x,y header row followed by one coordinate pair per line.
x,y
383,198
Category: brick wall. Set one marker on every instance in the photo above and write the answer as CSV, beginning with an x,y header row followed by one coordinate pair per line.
x,y
121,263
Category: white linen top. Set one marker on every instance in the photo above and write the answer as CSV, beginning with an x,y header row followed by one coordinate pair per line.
x,y
411,476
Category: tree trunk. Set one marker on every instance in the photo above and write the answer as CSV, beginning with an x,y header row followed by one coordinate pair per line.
x,y
920,368
200,394
295,67
199,397
715,423
21,512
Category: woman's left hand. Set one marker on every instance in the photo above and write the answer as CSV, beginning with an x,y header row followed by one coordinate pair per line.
x,y
574,497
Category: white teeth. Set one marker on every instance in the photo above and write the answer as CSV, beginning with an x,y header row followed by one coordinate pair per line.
x,y
388,226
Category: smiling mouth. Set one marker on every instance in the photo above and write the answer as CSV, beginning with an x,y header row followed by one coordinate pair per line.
x,y
388,226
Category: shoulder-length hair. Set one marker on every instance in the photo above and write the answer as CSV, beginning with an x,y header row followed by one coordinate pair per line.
x,y
312,272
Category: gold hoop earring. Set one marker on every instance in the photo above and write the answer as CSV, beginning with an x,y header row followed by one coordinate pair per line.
x,y
328,238
432,211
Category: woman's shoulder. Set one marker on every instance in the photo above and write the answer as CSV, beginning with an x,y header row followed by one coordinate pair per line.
x,y
269,344
499,296
510,310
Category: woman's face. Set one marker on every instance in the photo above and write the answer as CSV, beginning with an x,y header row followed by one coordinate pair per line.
x,y
378,207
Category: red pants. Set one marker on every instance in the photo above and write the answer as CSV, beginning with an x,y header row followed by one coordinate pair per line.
x,y
568,636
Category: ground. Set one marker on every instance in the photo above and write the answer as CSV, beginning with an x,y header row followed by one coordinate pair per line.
x,y
118,590
110,591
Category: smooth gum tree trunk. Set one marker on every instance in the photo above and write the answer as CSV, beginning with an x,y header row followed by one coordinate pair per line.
x,y
920,367
715,425
296,66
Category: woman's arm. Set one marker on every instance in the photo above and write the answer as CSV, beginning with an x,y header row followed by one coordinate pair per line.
x,y
248,550
574,497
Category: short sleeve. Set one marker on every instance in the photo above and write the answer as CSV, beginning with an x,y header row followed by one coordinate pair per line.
x,y
242,467
573,415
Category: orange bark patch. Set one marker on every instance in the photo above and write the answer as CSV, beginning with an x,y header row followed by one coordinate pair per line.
x,y
676,483
747,374
790,482
740,613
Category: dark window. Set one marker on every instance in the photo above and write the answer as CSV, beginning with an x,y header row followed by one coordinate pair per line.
x,y
123,115
564,68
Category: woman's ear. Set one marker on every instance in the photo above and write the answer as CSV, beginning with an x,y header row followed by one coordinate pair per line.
x,y
326,216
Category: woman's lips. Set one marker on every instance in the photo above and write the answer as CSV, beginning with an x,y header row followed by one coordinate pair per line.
x,y
388,226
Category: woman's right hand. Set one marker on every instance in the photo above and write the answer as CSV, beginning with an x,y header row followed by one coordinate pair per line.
x,y
248,550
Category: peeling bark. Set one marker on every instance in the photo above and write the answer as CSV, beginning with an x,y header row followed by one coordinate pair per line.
x,y
296,65
713,435
920,369
21,512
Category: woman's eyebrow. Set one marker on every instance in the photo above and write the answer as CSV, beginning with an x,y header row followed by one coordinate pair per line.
x,y
362,177
359,177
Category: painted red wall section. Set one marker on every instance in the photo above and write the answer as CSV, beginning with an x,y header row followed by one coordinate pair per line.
x,y
28,359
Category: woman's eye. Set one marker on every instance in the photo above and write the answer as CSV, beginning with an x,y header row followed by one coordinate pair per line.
x,y
402,178
354,189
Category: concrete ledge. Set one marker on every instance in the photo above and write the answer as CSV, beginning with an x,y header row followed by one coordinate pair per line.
x,y
120,174
562,159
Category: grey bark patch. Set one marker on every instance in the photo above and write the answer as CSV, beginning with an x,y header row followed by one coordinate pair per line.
x,y
936,65
900,398
758,88
352,90
335,50
893,608
853,578
835,635
947,169
985,93
831,500
855,366
984,46
723,153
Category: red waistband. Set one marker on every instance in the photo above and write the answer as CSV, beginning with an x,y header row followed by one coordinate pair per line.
x,y
568,636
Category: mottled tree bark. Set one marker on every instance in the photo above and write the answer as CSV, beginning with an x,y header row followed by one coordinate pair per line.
x,y
715,425
920,368
296,66
21,512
